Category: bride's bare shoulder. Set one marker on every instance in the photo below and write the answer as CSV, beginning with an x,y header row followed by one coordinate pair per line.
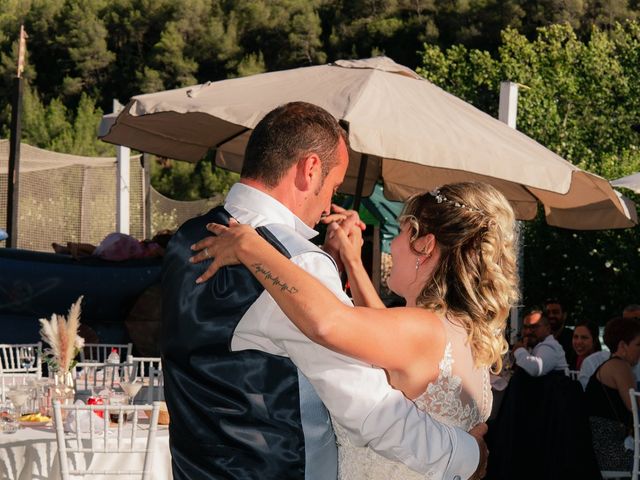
x,y
422,321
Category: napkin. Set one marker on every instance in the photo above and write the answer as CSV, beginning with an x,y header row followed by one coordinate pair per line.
x,y
83,423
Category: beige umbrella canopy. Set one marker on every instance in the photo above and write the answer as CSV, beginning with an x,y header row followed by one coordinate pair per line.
x,y
632,182
412,134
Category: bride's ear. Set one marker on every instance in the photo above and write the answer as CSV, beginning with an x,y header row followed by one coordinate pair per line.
x,y
426,244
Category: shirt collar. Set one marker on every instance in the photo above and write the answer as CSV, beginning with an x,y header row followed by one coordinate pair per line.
x,y
260,208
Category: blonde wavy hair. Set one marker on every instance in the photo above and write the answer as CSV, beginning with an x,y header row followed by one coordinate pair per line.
x,y
476,279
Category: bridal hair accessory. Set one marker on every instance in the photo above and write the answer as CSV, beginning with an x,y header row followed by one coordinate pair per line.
x,y
440,198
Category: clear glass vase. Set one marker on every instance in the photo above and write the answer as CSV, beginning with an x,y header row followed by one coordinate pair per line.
x,y
63,388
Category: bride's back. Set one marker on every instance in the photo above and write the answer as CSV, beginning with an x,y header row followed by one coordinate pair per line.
x,y
461,395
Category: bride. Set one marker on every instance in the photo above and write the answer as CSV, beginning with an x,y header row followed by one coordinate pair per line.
x,y
453,263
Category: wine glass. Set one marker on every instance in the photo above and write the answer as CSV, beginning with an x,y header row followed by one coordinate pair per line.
x,y
19,396
129,382
27,358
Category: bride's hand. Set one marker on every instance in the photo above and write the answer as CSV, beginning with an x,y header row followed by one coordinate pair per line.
x,y
222,248
349,243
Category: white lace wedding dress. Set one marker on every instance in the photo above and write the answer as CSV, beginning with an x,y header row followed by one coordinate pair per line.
x,y
460,397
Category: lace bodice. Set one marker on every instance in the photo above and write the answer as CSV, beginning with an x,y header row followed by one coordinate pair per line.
x,y
445,399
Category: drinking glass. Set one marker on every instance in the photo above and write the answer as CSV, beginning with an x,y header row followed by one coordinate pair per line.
x,y
19,396
130,383
27,358
117,399
8,418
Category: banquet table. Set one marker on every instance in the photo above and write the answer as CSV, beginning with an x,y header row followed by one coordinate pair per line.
x,y
31,454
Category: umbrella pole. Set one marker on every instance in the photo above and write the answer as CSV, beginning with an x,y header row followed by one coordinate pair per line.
x,y
364,159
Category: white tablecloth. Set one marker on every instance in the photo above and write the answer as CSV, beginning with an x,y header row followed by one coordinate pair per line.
x,y
31,454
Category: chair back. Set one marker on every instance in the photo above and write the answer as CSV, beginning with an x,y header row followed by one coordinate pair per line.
x,y
144,365
94,377
14,358
636,433
18,362
573,374
99,352
84,437
155,391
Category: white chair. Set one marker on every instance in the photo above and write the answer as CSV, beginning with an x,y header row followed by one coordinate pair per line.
x,y
636,433
573,374
98,352
99,376
144,364
21,358
18,363
129,443
155,390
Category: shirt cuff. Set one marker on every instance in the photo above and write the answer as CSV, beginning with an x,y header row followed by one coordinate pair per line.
x,y
465,460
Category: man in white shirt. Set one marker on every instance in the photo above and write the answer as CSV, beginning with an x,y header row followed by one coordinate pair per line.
x,y
288,179
546,353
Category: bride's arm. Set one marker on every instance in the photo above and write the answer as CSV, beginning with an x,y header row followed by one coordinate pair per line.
x,y
393,338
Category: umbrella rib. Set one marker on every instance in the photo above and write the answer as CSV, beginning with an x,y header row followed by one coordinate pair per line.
x,y
231,137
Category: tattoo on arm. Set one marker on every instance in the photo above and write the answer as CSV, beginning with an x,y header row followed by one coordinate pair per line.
x,y
285,287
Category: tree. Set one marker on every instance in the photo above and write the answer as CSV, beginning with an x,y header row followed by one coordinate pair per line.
x,y
580,103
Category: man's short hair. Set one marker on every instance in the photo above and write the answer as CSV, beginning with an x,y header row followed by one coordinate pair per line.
x,y
285,135
554,301
620,329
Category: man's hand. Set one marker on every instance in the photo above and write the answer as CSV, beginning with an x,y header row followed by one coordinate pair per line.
x,y
478,432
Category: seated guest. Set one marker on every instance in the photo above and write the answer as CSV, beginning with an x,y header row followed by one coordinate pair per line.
x,y
607,395
585,342
556,312
539,352
593,361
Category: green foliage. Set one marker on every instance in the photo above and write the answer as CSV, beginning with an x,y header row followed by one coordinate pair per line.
x,y
580,102
581,70
189,181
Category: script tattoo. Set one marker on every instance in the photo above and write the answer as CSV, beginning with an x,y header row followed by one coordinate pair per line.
x,y
285,287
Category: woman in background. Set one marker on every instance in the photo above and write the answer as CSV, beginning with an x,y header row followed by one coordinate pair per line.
x,y
607,395
585,342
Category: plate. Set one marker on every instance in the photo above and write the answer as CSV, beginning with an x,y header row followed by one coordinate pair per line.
x,y
25,423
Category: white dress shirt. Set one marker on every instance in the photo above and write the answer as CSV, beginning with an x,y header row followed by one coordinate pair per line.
x,y
356,394
546,356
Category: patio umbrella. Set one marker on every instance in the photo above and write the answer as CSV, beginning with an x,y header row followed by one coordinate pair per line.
x,y
402,129
632,182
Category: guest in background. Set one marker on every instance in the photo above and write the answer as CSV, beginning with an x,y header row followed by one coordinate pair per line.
x,y
607,395
593,361
556,312
585,342
546,353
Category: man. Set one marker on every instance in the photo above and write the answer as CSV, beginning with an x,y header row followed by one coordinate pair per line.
x,y
244,387
554,310
546,353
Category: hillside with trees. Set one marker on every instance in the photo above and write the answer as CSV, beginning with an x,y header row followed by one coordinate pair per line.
x,y
578,62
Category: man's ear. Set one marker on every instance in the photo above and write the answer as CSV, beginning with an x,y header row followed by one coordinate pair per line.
x,y
308,172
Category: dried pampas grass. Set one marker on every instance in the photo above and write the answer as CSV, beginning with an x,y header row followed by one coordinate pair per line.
x,y
62,336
